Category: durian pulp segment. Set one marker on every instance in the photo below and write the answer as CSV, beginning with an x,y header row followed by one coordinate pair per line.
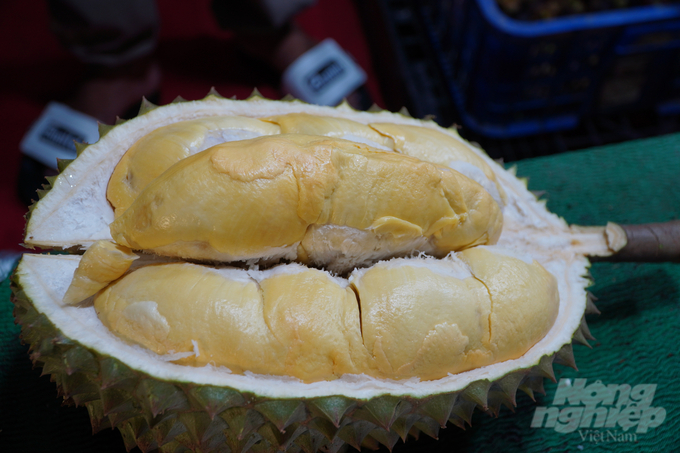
x,y
248,199
101,264
159,150
420,142
58,220
434,146
421,318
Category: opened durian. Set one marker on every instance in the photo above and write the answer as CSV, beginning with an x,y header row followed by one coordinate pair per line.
x,y
265,275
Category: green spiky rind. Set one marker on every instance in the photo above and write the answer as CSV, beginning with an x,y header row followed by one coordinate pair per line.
x,y
154,414
404,112
62,164
80,147
345,105
255,95
104,129
146,106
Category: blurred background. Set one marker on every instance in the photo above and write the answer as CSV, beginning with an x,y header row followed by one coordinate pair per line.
x,y
522,78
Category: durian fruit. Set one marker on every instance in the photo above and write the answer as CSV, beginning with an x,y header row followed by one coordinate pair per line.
x,y
165,385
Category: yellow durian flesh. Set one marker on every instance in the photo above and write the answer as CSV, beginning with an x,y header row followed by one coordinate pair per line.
x,y
257,198
418,321
399,319
523,299
101,264
435,146
157,151
299,323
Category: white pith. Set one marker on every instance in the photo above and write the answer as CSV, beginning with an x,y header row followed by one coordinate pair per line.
x,y
529,231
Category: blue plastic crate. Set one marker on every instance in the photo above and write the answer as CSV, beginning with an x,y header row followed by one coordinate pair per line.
x,y
513,78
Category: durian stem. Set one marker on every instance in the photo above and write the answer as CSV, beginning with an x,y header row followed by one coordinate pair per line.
x,y
648,242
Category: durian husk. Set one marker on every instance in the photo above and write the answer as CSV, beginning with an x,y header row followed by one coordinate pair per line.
x,y
171,408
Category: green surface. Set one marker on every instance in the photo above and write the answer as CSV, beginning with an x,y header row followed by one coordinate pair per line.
x,y
638,332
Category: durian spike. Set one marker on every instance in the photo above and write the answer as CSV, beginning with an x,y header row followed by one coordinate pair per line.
x,y
119,120
337,445
427,426
439,407
80,147
354,433
97,418
403,425
535,383
178,99
146,106
586,330
464,410
591,309
255,95
370,443
332,407
62,164
477,392
459,422
385,410
387,438
323,426
104,128
242,421
545,369
580,337
282,414
289,98
375,108
213,92
404,111
565,356
509,384
310,441
214,400
345,105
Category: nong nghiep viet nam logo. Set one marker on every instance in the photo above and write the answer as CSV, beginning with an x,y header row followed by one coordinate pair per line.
x,y
595,407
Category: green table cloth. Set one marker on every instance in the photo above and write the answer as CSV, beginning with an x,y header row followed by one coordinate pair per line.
x,y
636,351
